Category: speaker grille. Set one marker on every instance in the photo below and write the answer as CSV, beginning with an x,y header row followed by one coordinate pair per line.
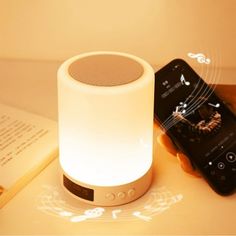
x,y
105,70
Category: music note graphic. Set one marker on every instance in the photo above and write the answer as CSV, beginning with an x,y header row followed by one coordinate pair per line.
x,y
183,81
181,107
201,58
66,213
142,217
115,212
88,214
78,218
183,104
94,213
217,105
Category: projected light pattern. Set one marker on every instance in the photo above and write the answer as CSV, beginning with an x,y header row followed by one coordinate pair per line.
x,y
156,201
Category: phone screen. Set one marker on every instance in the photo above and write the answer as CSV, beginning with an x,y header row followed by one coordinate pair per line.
x,y
193,116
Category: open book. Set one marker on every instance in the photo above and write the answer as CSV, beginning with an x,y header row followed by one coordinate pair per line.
x,y
28,143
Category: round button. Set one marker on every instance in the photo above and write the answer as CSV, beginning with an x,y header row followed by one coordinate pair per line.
x,y
131,192
110,196
221,165
121,195
231,157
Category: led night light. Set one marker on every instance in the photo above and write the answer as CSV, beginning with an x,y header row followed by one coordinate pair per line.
x,y
105,103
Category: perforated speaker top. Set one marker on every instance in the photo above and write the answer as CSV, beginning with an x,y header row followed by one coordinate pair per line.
x,y
105,70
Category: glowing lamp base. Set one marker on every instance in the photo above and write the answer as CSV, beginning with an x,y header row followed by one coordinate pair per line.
x,y
108,195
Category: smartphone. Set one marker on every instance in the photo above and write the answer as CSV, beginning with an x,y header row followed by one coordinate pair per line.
x,y
198,122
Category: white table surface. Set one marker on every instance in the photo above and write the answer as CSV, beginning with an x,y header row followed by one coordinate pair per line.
x,y
177,203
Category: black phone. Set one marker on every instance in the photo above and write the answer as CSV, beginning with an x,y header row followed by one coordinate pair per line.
x,y
198,122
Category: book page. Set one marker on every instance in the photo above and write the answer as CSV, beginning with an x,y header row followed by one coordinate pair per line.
x,y
26,141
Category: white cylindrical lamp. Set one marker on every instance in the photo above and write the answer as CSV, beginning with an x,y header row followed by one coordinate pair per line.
x,y
105,107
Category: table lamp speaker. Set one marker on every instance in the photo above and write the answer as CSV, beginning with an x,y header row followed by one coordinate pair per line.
x,y
105,107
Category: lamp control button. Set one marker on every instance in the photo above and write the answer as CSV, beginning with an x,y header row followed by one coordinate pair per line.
x,y
131,192
121,195
231,157
110,196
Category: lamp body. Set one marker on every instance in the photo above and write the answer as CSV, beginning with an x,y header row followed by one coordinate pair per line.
x,y
106,126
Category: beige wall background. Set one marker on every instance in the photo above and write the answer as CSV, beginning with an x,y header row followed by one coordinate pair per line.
x,y
157,30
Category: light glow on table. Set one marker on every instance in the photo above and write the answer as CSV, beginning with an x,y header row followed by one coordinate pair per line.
x,y
155,202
